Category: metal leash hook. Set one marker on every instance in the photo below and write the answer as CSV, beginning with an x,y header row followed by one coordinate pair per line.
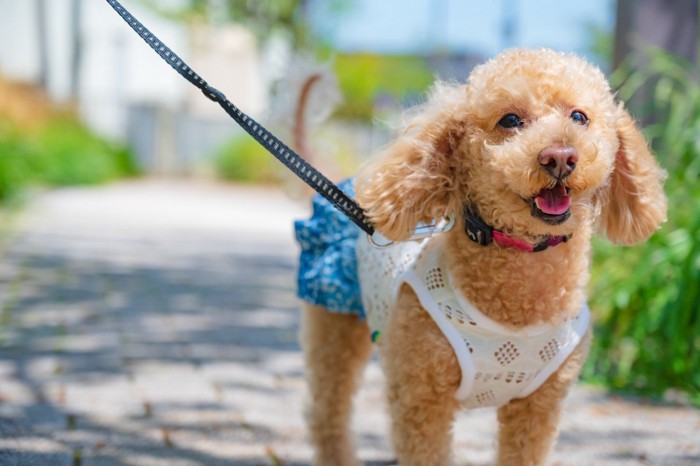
x,y
421,232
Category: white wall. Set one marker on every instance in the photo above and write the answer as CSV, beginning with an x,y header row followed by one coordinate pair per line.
x,y
120,72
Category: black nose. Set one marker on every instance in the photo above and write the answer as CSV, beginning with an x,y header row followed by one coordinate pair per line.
x,y
559,161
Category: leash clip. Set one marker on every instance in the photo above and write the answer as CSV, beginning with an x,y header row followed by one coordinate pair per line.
x,y
213,94
421,232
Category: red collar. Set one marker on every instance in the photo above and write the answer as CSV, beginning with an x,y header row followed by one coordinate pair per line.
x,y
480,232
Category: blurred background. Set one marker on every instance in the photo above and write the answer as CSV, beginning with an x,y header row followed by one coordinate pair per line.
x,y
83,101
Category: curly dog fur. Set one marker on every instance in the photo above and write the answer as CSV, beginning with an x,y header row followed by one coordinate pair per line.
x,y
457,151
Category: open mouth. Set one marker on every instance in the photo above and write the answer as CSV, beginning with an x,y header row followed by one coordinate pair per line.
x,y
552,205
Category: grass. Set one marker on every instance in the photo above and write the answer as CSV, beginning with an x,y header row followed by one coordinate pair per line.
x,y
647,298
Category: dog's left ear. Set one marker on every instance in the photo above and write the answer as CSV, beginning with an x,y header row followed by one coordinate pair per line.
x,y
634,203
416,178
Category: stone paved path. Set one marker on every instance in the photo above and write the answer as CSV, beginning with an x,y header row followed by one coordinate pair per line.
x,y
154,323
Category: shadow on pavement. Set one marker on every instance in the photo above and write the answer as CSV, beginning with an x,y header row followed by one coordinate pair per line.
x,y
122,360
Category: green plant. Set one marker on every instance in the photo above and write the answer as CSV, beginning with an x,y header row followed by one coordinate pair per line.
x,y
647,298
70,154
369,81
265,18
59,152
243,159
16,157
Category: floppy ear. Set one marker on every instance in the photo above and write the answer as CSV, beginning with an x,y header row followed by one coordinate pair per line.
x,y
634,205
416,178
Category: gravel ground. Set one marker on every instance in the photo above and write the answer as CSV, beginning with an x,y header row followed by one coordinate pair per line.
x,y
154,323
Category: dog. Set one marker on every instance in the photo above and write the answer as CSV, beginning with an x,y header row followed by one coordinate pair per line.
x,y
529,159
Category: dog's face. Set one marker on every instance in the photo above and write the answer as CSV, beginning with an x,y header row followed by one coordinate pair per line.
x,y
540,140
534,142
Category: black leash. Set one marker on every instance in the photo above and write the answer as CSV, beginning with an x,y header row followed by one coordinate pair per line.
x,y
284,154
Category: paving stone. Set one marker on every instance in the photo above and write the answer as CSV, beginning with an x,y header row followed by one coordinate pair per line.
x,y
155,323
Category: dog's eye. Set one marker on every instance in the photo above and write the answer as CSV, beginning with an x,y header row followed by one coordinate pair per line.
x,y
579,117
509,121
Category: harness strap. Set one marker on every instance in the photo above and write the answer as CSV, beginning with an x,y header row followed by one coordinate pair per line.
x,y
277,148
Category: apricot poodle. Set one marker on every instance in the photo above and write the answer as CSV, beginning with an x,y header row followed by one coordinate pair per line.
x,y
531,157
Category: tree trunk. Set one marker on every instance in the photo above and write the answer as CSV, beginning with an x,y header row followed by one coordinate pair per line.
x,y
42,44
77,48
671,25
668,24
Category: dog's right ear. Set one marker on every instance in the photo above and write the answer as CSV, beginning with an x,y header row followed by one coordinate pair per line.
x,y
417,177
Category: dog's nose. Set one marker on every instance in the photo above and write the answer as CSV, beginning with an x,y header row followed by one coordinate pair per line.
x,y
559,161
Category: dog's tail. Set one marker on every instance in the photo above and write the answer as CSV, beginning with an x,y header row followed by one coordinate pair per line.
x,y
306,97
303,100
299,130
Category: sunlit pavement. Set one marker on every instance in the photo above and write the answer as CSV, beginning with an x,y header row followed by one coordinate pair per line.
x,y
155,323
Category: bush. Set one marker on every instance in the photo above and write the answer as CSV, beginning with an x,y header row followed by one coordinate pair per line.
x,y
370,82
16,160
243,159
71,155
647,298
61,151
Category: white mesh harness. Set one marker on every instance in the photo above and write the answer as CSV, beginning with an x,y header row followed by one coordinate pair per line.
x,y
498,364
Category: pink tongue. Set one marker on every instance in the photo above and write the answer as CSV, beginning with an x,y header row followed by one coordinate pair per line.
x,y
553,201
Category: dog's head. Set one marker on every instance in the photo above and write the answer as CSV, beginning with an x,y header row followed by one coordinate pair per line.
x,y
534,142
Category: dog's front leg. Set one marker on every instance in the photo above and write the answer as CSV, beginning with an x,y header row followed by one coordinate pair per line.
x,y
422,377
528,426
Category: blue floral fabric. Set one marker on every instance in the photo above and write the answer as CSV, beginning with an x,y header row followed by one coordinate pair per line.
x,y
328,265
